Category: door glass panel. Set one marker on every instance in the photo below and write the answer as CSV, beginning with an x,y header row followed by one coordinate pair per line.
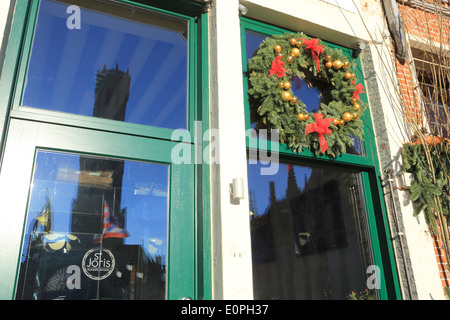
x,y
96,228
109,60
311,96
309,232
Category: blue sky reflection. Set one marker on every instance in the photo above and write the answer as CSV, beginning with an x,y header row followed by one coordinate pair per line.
x,y
64,63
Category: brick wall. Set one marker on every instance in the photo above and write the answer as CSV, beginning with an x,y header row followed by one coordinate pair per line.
x,y
409,93
432,25
425,28
441,259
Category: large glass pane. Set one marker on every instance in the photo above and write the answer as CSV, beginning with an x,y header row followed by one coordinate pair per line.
x,y
96,228
109,60
309,232
310,95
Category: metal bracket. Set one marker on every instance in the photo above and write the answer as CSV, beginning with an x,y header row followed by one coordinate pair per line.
x,y
207,6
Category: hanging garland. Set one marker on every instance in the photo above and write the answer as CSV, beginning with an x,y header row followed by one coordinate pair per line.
x,y
430,186
273,72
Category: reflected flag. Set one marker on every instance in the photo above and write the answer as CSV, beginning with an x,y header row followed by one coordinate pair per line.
x,y
44,219
112,228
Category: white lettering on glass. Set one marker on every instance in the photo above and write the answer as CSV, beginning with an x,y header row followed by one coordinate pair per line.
x,y
74,20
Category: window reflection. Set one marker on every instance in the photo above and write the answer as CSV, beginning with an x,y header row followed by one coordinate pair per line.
x,y
309,232
123,63
96,229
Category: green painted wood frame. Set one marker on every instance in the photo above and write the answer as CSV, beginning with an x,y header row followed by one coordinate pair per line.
x,y
25,130
367,163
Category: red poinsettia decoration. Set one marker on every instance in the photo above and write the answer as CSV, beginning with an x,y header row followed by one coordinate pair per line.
x,y
316,49
322,127
359,88
277,67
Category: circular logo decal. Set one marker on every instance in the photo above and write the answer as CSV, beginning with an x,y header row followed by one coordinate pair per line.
x,y
98,263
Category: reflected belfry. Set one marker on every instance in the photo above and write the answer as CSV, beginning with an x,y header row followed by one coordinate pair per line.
x,y
111,93
101,179
298,233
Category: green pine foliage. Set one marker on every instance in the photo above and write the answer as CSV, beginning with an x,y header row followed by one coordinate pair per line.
x,y
430,187
271,112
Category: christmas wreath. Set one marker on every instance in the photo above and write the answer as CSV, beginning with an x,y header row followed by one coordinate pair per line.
x,y
277,65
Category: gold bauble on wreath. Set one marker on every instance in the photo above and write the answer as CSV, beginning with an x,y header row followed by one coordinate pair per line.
x,y
295,52
294,100
286,96
337,64
347,116
287,85
277,48
293,41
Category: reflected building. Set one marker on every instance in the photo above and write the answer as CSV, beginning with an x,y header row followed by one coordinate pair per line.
x,y
306,244
112,91
100,180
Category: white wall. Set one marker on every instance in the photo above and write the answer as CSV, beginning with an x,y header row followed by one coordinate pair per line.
x,y
317,18
232,266
352,6
4,11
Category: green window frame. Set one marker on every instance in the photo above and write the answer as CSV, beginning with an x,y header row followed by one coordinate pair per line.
x,y
56,123
382,250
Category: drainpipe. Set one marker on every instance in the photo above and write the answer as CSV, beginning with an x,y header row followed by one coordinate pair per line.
x,y
400,235
395,26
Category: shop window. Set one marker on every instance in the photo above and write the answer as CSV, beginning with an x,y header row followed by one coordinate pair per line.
x,y
316,223
309,232
96,229
109,60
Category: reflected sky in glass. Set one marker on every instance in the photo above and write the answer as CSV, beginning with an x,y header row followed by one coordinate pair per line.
x,y
259,185
305,219
81,203
151,49
75,187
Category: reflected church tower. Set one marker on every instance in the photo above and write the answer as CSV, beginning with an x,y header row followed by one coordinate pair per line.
x,y
112,93
101,179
